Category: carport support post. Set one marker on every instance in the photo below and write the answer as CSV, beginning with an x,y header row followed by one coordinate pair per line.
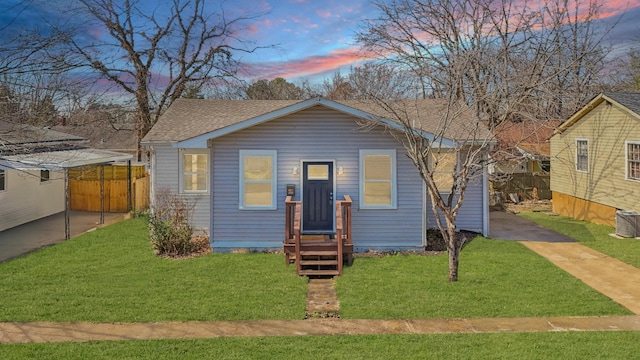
x,y
101,193
67,205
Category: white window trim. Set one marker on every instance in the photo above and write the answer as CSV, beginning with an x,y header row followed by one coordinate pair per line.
x,y
184,152
588,152
626,158
394,188
274,181
4,179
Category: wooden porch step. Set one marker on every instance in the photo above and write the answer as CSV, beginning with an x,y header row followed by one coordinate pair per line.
x,y
319,253
319,272
318,262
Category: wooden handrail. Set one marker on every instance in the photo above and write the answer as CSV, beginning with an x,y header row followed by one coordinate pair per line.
x,y
343,227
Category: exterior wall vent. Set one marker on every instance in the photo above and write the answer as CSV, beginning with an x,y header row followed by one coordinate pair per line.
x,y
627,224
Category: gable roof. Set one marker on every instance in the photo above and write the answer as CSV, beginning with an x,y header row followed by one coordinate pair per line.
x,y
190,122
628,101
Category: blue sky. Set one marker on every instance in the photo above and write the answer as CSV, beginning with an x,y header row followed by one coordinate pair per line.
x,y
312,38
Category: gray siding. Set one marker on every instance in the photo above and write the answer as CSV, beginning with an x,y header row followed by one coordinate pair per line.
x,y
317,133
314,134
167,176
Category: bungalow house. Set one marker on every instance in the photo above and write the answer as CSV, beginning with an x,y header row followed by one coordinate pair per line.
x,y
595,159
34,164
260,170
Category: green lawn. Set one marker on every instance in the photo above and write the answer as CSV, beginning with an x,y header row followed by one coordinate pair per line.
x,y
556,345
597,237
497,279
111,274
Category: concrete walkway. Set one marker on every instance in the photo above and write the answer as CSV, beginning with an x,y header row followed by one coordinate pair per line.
x,y
38,332
611,277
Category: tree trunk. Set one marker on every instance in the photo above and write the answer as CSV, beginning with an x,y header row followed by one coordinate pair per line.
x,y
453,250
453,264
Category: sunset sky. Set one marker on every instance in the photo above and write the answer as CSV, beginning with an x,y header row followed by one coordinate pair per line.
x,y
312,38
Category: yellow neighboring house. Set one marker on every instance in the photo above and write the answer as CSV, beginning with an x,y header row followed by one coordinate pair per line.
x,y
595,159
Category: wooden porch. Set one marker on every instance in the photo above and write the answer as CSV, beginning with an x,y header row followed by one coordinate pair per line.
x,y
318,255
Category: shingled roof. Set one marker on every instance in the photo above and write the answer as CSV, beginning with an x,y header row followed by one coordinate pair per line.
x,y
16,138
190,118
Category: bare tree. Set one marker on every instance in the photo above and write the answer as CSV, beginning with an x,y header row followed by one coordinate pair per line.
x,y
503,59
154,54
524,59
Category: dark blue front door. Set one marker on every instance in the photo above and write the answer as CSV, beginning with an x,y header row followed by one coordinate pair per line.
x,y
317,197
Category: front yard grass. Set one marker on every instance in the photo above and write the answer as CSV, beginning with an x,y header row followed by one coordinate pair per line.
x,y
112,275
595,236
556,345
497,279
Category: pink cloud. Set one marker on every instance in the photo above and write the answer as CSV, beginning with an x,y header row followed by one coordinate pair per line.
x,y
323,13
307,66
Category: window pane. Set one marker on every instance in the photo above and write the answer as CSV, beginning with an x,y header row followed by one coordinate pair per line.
x,y
377,167
195,162
444,181
257,194
257,168
317,172
446,161
195,182
377,193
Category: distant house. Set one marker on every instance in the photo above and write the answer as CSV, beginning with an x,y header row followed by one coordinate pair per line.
x,y
240,160
595,159
523,147
34,163
521,158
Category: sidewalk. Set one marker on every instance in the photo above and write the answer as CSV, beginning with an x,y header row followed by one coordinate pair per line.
x,y
39,332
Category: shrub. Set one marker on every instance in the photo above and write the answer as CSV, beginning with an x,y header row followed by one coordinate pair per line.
x,y
170,225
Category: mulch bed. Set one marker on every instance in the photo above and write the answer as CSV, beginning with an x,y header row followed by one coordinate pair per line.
x,y
435,246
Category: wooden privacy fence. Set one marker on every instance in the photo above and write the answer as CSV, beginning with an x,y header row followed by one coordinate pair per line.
x,y
527,186
84,189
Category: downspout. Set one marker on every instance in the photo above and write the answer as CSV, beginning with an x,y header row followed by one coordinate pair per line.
x,y
425,214
152,180
485,202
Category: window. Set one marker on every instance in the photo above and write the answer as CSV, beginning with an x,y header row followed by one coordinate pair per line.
x,y
443,164
3,184
633,160
258,179
44,176
378,179
195,170
582,155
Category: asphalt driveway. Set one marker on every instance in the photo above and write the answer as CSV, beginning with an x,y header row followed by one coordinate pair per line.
x,y
509,226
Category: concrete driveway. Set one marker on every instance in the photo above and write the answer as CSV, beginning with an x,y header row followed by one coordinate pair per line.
x,y
37,234
508,226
